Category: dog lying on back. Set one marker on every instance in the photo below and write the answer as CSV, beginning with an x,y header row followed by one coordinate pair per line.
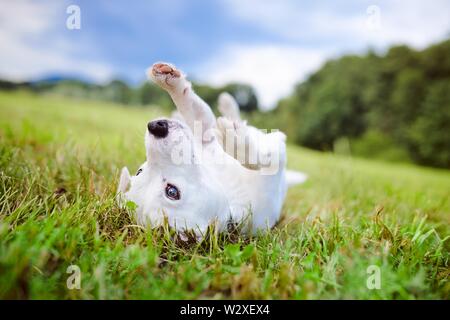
x,y
201,170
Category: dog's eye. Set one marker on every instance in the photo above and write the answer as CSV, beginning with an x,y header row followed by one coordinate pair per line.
x,y
139,171
172,192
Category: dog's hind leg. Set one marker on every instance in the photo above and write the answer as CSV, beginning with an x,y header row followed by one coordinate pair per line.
x,y
253,148
228,107
194,110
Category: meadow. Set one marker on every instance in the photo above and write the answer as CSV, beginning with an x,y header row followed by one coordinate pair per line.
x,y
59,165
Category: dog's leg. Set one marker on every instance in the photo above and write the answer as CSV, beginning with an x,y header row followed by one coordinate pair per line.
x,y
253,148
194,110
228,107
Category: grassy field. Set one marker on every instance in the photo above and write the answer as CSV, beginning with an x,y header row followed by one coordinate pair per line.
x,y
59,165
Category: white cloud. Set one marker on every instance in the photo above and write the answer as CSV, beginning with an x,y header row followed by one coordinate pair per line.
x,y
274,69
26,17
20,62
416,22
271,70
22,57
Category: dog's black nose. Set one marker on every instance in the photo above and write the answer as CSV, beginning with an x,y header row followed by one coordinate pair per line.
x,y
158,128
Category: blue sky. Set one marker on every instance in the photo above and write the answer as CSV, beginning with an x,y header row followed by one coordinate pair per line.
x,y
269,44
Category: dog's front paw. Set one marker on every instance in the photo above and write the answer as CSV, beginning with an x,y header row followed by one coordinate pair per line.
x,y
165,75
228,107
232,127
232,135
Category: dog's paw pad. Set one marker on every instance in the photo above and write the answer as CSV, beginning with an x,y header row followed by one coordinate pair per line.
x,y
166,76
165,69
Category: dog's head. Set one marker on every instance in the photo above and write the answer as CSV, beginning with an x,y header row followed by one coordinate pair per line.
x,y
171,184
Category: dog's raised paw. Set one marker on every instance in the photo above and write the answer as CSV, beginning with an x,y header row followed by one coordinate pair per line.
x,y
228,107
235,128
165,69
165,75
231,134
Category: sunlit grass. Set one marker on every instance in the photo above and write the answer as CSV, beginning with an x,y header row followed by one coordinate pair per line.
x,y
59,165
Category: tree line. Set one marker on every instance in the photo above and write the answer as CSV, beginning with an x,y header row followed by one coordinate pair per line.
x,y
391,106
145,94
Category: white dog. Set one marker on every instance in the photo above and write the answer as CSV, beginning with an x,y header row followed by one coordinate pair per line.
x,y
201,170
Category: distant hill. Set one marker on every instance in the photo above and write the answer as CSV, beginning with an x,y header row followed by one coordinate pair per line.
x,y
120,91
55,78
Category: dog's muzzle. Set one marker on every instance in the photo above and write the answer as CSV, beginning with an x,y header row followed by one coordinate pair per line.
x,y
158,128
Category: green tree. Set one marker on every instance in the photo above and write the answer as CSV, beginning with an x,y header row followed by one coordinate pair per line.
x,y
429,138
399,96
118,91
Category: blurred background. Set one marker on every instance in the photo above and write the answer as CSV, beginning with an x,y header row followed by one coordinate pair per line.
x,y
367,78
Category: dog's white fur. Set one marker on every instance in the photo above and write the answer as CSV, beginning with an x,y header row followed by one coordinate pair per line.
x,y
210,191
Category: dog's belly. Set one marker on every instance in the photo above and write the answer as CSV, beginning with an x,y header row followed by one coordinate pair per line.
x,y
255,196
268,201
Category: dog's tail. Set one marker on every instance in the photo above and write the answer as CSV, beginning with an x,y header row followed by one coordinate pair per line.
x,y
295,177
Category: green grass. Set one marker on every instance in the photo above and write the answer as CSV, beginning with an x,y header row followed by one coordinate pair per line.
x,y
59,165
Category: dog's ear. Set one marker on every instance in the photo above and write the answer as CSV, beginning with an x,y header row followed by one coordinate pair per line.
x,y
124,181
